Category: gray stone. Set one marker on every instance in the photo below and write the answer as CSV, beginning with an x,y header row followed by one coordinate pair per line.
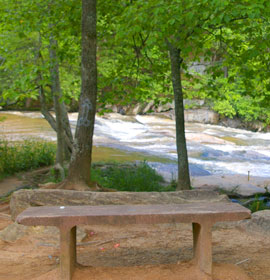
x,y
229,183
194,102
134,110
201,116
169,171
23,199
164,107
259,222
148,107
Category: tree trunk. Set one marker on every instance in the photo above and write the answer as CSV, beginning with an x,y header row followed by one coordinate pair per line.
x,y
68,138
67,132
80,164
183,182
56,93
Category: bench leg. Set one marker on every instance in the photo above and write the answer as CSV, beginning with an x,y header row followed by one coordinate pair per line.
x,y
67,252
202,247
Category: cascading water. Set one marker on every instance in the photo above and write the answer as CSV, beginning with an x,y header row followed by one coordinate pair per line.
x,y
213,149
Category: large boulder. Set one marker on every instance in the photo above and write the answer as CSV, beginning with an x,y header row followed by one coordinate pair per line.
x,y
23,199
259,222
236,184
201,116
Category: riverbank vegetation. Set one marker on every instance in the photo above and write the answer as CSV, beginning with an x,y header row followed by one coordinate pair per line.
x,y
130,177
30,155
24,156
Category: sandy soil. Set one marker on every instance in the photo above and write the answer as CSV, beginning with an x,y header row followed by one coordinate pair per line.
x,y
9,184
136,252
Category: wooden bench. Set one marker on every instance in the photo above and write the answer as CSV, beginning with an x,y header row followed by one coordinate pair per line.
x,y
201,215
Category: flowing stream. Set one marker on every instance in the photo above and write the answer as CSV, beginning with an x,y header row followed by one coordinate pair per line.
x,y
212,149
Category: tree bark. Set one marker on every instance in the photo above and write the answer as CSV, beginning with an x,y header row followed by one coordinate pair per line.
x,y
44,109
183,182
56,93
80,164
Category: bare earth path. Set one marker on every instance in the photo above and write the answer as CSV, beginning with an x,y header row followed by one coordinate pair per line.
x,y
9,184
135,252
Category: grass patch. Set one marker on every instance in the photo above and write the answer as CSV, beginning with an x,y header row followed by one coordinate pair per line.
x,y
26,155
258,205
2,118
259,202
129,177
31,154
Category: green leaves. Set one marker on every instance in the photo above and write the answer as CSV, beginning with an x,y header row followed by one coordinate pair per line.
x,y
132,54
26,31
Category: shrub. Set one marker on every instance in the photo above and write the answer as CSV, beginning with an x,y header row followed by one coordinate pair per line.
x,y
135,178
26,155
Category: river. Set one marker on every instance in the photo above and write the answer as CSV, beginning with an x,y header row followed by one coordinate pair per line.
x,y
212,149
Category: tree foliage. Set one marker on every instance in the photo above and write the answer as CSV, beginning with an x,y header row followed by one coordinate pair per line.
x,y
144,47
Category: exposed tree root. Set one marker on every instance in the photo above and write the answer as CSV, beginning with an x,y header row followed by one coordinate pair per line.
x,y
76,186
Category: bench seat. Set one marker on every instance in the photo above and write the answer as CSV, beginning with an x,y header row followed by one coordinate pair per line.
x,y
202,216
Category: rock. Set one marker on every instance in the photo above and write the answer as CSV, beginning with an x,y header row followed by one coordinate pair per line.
x,y
169,171
235,184
194,102
114,108
134,110
116,117
209,139
201,116
196,170
243,189
259,222
23,199
148,107
164,107
15,231
242,124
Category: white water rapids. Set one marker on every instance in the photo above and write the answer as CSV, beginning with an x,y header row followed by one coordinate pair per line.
x,y
215,149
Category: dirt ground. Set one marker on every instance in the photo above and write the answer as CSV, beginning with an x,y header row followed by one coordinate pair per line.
x,y
136,252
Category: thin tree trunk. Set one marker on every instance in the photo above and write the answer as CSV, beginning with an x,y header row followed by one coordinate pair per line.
x,y
183,182
56,93
45,111
67,132
80,165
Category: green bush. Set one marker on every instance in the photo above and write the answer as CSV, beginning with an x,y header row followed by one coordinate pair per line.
x,y
26,155
137,178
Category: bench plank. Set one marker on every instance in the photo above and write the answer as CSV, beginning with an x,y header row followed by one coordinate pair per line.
x,y
201,215
132,214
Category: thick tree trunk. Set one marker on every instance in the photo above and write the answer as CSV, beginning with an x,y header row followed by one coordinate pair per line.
x,y
183,182
80,165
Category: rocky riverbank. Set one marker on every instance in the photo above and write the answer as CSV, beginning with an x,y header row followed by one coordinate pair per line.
x,y
200,114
